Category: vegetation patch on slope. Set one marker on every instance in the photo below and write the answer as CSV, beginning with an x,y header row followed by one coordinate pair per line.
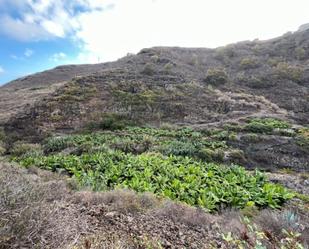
x,y
175,163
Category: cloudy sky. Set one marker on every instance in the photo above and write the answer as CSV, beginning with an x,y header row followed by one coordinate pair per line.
x,y
39,34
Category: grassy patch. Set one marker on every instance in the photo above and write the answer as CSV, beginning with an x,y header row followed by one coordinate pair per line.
x,y
266,125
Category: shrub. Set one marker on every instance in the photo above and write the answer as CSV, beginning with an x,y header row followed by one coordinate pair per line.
x,y
254,81
210,155
148,69
266,125
300,53
168,67
273,62
2,134
291,72
110,121
274,223
249,63
216,76
2,150
21,149
56,144
225,53
179,148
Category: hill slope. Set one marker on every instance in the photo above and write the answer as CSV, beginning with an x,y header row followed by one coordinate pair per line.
x,y
194,87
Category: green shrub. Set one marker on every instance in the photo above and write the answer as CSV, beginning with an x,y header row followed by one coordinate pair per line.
x,y
56,144
303,142
2,150
148,69
211,155
21,149
216,76
2,134
300,53
179,148
266,125
273,62
110,121
126,145
254,81
208,185
287,71
249,63
168,67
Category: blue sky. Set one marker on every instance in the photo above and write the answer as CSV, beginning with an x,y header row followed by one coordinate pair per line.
x,y
36,35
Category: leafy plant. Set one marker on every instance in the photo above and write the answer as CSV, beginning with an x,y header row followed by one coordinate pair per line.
x,y
208,185
266,125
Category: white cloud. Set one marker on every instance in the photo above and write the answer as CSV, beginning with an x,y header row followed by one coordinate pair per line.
x,y
21,30
1,70
58,56
109,29
28,52
39,19
136,24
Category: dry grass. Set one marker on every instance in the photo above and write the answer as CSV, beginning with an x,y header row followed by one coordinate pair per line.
x,y
182,213
34,213
116,240
123,201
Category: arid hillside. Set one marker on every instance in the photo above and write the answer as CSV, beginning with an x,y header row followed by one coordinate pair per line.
x,y
169,148
267,76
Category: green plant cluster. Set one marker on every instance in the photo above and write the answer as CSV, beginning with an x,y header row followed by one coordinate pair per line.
x,y
249,62
208,185
287,71
254,237
266,125
136,140
216,76
110,121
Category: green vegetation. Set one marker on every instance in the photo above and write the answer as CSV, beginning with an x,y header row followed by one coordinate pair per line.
x,y
300,53
249,63
166,162
136,140
110,121
21,149
2,134
288,71
303,138
148,69
266,125
180,178
75,91
216,76
268,230
251,80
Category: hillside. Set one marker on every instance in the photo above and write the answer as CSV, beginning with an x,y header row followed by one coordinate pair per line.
x,y
276,69
169,148
196,87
